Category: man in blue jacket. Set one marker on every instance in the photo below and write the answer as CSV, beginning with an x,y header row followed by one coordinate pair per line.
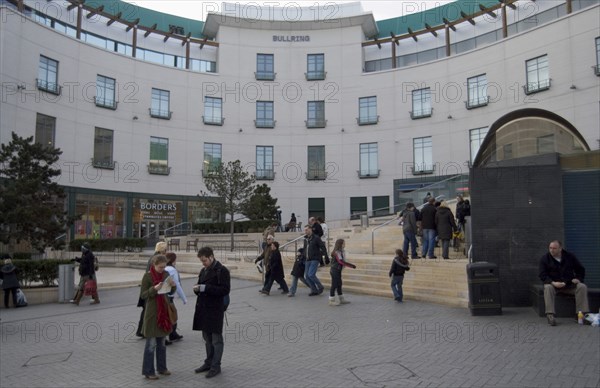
x,y
561,272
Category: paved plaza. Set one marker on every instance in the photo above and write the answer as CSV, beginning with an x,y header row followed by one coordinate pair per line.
x,y
276,341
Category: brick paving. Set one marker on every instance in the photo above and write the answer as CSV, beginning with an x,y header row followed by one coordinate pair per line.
x,y
276,341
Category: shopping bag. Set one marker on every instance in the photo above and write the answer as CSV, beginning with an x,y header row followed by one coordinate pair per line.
x,y
21,299
172,312
89,288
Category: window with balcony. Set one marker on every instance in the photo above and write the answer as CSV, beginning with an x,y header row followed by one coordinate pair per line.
x,y
47,79
105,92
159,156
264,163
160,104
316,115
369,167
45,129
213,111
103,149
212,158
597,67
367,111
422,156
315,67
316,164
265,67
477,92
476,137
264,114
421,104
538,75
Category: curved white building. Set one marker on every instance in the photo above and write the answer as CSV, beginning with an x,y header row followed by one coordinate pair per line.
x,y
143,104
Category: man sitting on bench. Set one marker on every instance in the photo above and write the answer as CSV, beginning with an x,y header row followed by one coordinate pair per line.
x,y
561,272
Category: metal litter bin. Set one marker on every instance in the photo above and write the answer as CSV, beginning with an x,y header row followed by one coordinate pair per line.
x,y
364,220
66,282
484,289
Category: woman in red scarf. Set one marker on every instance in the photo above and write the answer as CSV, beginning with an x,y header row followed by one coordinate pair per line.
x,y
157,324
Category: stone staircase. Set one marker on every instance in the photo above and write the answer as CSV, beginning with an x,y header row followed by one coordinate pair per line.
x,y
435,281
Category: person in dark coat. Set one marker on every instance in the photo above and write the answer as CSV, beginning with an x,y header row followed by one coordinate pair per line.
x,y
445,225
562,272
298,272
212,287
275,272
409,229
399,267
428,225
87,272
10,282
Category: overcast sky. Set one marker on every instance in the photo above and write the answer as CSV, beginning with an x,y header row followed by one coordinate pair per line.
x,y
197,9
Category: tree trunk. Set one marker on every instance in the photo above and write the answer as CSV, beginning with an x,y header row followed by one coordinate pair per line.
x,y
231,229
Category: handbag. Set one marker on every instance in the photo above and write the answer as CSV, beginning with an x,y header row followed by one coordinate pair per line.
x,y
89,288
172,312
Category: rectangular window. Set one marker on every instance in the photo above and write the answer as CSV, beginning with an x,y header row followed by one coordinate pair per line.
x,y
45,128
103,148
105,92
423,156
477,92
421,103
159,156
264,114
213,111
381,205
315,67
358,206
367,111
265,68
597,67
368,161
48,75
476,137
545,144
212,158
160,104
316,163
538,75
316,207
264,163
316,114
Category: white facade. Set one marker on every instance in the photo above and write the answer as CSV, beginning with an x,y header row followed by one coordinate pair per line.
x,y
569,43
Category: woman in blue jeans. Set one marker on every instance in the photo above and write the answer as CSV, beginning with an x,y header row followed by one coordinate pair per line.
x,y
399,266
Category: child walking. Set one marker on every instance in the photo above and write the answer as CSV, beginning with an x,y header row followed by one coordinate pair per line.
x,y
399,266
338,262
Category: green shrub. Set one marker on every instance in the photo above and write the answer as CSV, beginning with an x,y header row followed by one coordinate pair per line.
x,y
44,271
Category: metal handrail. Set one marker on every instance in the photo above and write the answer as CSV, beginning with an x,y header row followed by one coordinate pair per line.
x,y
176,226
373,233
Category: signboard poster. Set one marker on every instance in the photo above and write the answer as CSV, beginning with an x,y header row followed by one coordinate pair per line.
x,y
158,210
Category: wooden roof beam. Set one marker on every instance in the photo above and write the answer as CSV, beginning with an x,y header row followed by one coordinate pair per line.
x,y
202,43
467,17
488,11
150,30
428,27
167,36
508,4
412,34
186,39
93,12
113,19
394,38
133,24
75,4
447,22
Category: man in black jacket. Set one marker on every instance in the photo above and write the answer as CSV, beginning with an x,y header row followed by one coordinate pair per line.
x,y
428,225
562,272
87,271
313,246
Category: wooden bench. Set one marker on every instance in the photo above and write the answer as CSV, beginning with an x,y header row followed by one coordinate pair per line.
x,y
193,245
174,242
564,305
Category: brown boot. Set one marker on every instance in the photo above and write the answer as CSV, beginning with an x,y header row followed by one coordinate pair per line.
x,y
76,298
96,299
